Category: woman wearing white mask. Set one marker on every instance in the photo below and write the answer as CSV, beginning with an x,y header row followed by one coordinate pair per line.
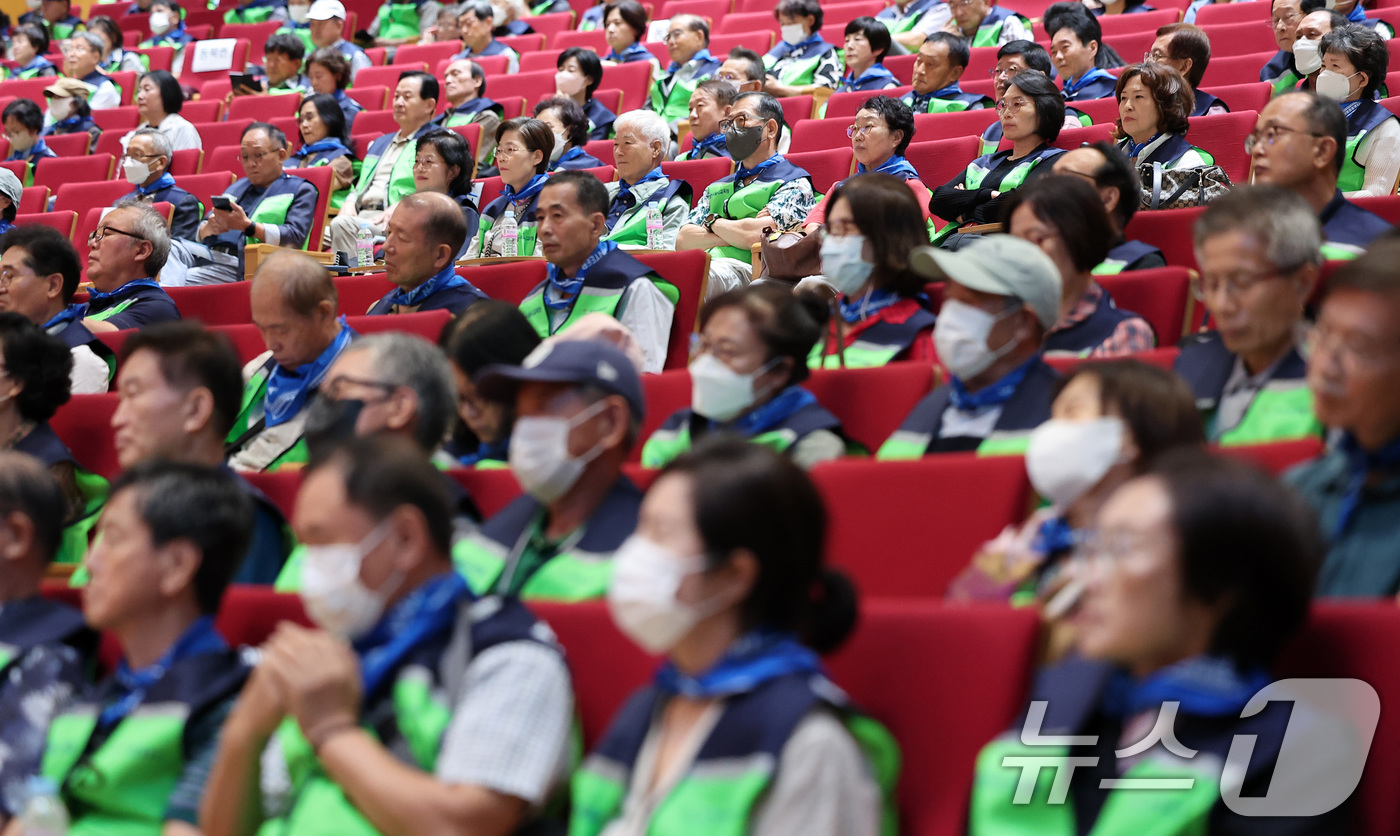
x,y
1154,102
580,72
1307,47
803,61
881,310
745,380
68,110
569,124
1354,64
725,577
1109,423
168,29
158,101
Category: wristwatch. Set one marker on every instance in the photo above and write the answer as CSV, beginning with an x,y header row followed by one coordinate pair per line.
x,y
248,230
709,223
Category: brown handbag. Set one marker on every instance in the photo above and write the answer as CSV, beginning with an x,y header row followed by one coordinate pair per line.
x,y
790,256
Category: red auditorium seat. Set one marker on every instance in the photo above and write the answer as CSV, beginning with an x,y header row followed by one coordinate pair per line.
x,y
847,105
32,199
471,133
594,39
384,77
205,186
826,167
374,97
634,80
1071,138
698,173
819,135
600,148
425,324
225,158
263,108
664,393
207,109
1216,14
795,109
1160,296
428,54
85,425
932,126
1170,231
1100,111
1387,206
1223,136
511,282
545,59
529,86
1236,69
120,119
186,161
357,294
81,196
550,24
1275,457
746,22
1244,38
872,402
490,488
377,122
933,514
1162,358
1242,97
247,342
711,9
215,304
161,57
256,34
689,271
219,134
759,41
320,177
69,145
942,159
250,613
65,221
56,171
241,48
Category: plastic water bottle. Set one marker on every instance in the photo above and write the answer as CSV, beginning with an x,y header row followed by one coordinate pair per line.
x,y
654,224
364,245
510,233
44,813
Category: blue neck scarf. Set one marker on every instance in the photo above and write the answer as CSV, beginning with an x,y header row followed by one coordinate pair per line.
x,y
95,295
568,287
1205,686
1349,108
531,189
1054,535
878,71
1135,149
771,414
1074,85
784,49
895,165
69,125
743,174
625,199
287,389
68,314
330,143
445,279
702,55
1360,465
39,63
571,154
946,92
634,50
759,657
428,613
854,310
714,142
200,637
164,181
994,395
1357,14
496,452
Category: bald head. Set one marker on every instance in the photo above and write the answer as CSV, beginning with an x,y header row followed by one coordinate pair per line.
x,y
294,302
424,235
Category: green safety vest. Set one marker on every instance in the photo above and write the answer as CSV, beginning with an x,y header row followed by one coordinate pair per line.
x,y
525,234
875,341
673,438
1353,176
977,171
1127,812
572,575
104,315
399,20
631,227
1282,410
400,176
904,444
258,14
747,201
34,73
1286,82
302,32
78,534
603,298
990,35
674,105
250,414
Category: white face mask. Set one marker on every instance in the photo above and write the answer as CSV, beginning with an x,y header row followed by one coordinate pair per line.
x,y
298,14
136,172
331,589
793,34
568,84
558,150
1067,458
60,108
844,264
160,21
642,594
1307,55
718,392
1331,84
539,454
498,16
960,336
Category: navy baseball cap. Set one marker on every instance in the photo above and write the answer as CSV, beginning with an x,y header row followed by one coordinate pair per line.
x,y
568,361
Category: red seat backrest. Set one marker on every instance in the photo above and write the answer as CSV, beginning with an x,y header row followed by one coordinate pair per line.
x,y
933,514
1213,14
1162,358
1071,138
530,86
942,159
250,613
1235,69
1275,457
85,425
205,186
1241,97
247,342
1160,296
594,39
509,282
374,97
65,221
376,122
219,134
826,167
357,294
428,54
1387,206
872,402
186,161
32,199
425,324
69,145
1100,111
490,488
698,173
80,197
665,393
1223,136
120,119
280,486
932,126
256,34
758,40
320,177
746,22
545,59
689,271
847,105
263,108
56,171
819,135
600,148
634,80
1169,230
1243,38
215,304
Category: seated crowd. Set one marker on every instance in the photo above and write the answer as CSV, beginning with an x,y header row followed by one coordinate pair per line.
x,y
345,462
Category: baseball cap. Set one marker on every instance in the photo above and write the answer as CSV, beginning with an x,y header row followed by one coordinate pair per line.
x,y
10,186
326,10
568,361
68,88
1003,265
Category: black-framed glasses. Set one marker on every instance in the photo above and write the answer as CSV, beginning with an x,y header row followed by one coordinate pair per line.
x,y
95,237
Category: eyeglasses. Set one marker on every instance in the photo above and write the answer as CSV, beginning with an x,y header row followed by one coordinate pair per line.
x,y
1107,547
861,130
509,150
426,162
674,34
1154,57
1269,135
743,120
1011,105
1234,286
961,4
1350,349
248,158
1284,21
95,237
136,156
9,277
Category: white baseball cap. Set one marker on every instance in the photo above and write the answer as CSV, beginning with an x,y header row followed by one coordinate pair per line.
x,y
326,10
1003,265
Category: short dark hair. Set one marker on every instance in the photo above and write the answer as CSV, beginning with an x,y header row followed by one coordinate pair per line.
x,y
443,225
1171,94
26,112
479,9
890,218
1117,172
748,497
958,52
1032,53
633,14
752,61
1365,50
204,505
40,362
47,251
478,75
427,83
788,324
766,106
489,332
897,116
172,98
331,115
1049,104
1077,18
285,44
1073,207
571,114
1246,540
455,151
334,63
589,192
588,62
722,91
28,487
1188,42
108,28
192,357
535,134
800,8
273,132
383,473
37,36
1326,120
875,32
1156,404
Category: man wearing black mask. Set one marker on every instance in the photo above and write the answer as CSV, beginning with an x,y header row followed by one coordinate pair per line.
x,y
764,191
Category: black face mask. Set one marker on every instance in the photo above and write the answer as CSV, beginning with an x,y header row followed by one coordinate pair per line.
x,y
743,142
329,421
